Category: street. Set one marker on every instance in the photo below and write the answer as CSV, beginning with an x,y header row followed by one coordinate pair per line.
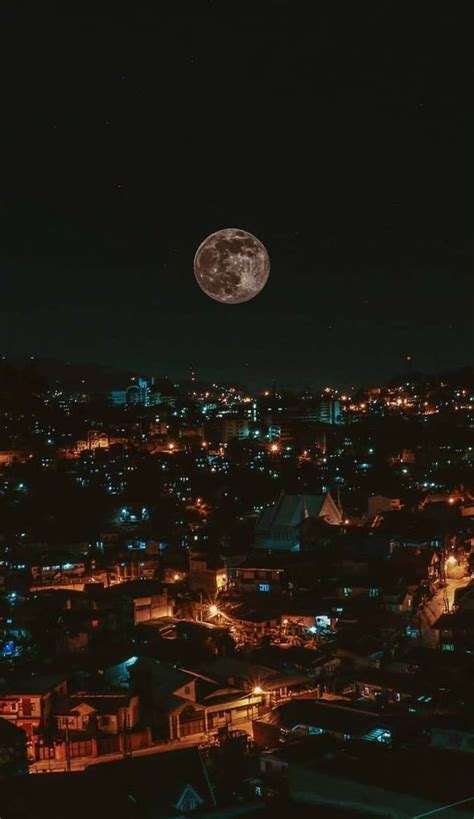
x,y
435,608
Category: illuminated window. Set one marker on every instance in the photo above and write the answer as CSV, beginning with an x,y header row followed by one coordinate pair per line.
x,y
264,587
347,591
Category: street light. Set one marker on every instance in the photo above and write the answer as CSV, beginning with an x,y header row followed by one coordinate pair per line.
x,y
213,610
258,689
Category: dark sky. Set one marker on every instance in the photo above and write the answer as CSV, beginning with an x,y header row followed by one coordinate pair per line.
x,y
337,133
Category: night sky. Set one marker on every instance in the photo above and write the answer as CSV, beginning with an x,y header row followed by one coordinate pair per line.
x,y
336,133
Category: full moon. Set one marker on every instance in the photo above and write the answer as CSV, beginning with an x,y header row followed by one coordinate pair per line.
x,y
231,266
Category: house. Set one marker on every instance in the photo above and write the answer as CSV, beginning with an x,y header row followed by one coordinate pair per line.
x,y
340,720
254,622
28,704
259,574
383,687
395,597
271,684
420,565
163,786
186,704
132,567
88,725
378,504
278,526
456,630
91,713
138,601
206,576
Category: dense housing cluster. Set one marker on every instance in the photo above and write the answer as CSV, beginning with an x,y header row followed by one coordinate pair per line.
x,y
241,595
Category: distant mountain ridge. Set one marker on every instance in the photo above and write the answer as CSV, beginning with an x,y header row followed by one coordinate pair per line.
x,y
72,375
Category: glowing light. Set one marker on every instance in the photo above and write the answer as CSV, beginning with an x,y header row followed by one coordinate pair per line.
x,y
213,610
258,690
451,560
451,500
274,448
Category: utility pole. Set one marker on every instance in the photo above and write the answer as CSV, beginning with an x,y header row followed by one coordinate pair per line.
x,y
68,747
127,746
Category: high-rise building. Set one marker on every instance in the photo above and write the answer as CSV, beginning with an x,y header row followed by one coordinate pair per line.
x,y
330,412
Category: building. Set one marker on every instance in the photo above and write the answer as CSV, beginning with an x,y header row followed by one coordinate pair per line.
x,y
278,526
162,786
206,576
378,504
28,704
91,713
138,393
91,725
94,440
330,412
138,601
185,704
235,429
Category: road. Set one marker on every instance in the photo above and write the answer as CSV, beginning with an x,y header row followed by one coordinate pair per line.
x,y
435,608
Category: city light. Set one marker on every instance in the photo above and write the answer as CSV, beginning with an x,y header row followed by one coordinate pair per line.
x,y
213,610
258,689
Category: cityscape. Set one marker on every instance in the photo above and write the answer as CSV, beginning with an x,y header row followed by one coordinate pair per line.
x,y
259,595
236,411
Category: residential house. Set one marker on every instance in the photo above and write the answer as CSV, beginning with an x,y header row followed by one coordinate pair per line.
x,y
185,704
163,786
337,719
206,576
94,724
138,601
28,703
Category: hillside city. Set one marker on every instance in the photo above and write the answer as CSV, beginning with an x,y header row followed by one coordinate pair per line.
x,y
234,600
